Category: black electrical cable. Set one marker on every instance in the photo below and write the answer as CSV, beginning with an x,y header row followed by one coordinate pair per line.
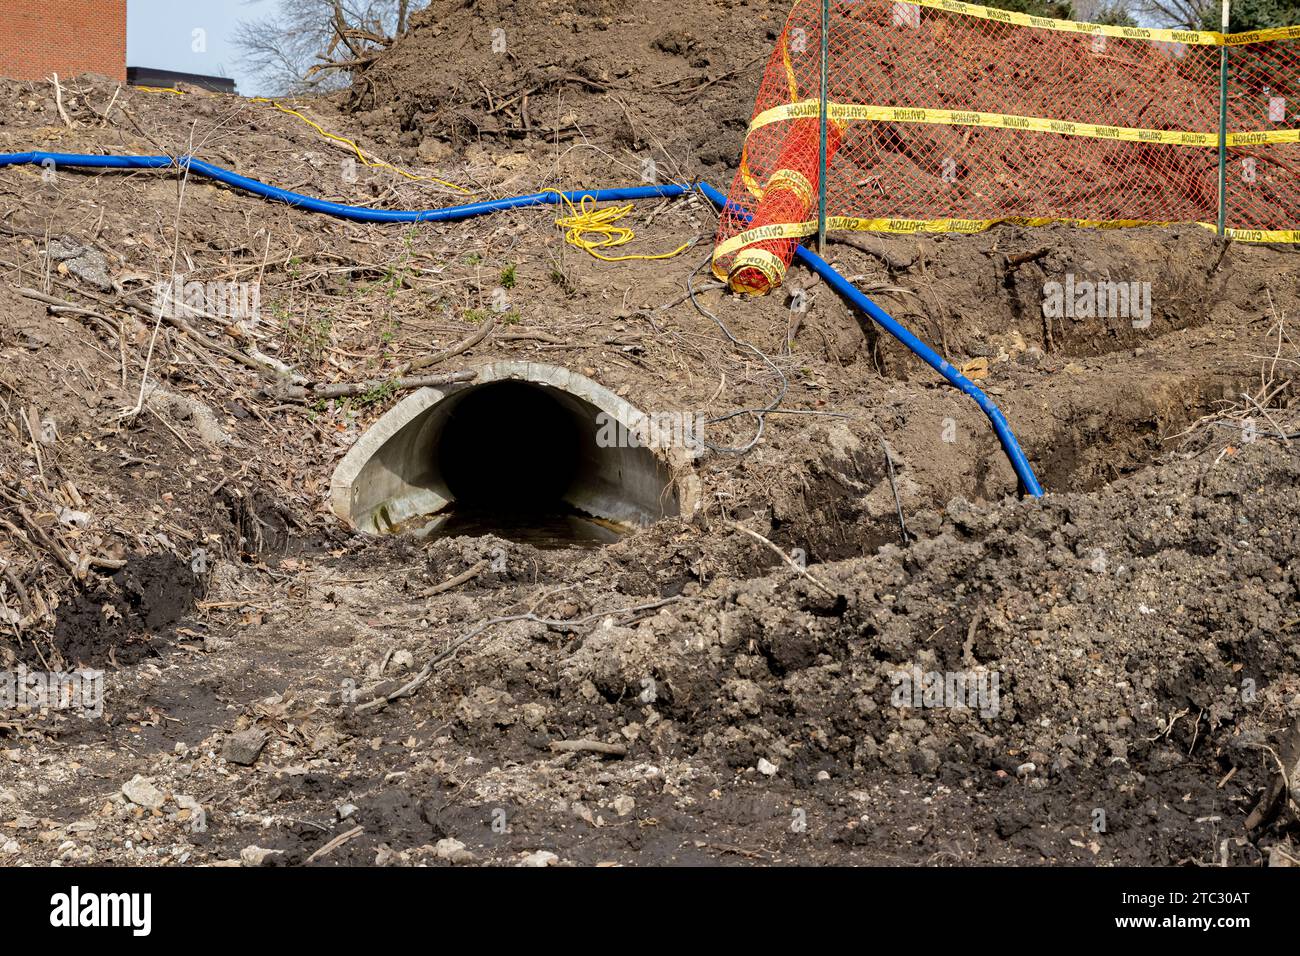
x,y
759,413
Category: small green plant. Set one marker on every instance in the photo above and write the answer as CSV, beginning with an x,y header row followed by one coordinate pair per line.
x,y
310,336
374,395
562,279
396,274
475,316
379,393
508,278
313,336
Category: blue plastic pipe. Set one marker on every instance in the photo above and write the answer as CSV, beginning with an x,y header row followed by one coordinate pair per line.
x,y
355,213
933,359
928,355
449,214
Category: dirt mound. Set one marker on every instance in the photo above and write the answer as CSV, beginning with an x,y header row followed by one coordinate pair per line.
x,y
1128,659
610,73
681,695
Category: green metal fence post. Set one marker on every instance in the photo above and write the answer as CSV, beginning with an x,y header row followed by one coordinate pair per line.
x,y
1223,122
821,146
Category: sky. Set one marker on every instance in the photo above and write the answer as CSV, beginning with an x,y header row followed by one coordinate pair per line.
x,y
161,34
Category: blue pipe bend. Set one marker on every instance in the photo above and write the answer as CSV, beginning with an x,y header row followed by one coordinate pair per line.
x,y
452,213
928,355
933,359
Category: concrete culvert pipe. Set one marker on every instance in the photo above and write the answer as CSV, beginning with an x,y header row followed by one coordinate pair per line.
x,y
521,439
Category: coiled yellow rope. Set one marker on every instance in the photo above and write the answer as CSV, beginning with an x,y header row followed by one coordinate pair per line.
x,y
584,221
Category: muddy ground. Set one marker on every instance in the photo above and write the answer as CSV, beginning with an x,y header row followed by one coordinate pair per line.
x,y
682,695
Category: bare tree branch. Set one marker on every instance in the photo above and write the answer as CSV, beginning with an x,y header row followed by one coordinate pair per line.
x,y
298,49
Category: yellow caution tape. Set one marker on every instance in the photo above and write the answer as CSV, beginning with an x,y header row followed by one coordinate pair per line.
x,y
790,78
1257,235
1198,37
793,181
853,112
1263,36
755,188
789,230
858,112
1191,37
1263,137
797,230
770,265
980,225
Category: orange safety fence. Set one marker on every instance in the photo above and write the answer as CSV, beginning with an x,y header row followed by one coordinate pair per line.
x,y
950,117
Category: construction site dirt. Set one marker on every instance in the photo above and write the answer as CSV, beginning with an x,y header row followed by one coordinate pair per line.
x,y
854,642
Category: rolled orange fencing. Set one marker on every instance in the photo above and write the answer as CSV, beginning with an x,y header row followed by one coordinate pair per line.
x,y
790,196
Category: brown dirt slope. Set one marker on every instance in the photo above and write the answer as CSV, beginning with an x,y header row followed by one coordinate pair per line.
x,y
616,77
1141,619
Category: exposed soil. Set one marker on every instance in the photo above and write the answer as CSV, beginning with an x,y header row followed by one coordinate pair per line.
x,y
681,695
121,620
615,79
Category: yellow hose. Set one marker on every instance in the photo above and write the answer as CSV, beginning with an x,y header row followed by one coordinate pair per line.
x,y
365,160
581,223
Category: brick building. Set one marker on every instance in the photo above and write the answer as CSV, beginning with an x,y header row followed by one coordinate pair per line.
x,y
40,37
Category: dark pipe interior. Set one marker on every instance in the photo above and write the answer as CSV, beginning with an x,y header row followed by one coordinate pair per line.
x,y
511,448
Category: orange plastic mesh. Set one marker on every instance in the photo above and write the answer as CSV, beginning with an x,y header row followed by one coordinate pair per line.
x,y
948,117
1263,178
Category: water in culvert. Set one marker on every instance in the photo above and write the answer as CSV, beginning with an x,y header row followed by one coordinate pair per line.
x,y
548,530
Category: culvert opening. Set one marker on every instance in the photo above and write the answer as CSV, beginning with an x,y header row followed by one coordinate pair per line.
x,y
510,455
523,453
511,448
